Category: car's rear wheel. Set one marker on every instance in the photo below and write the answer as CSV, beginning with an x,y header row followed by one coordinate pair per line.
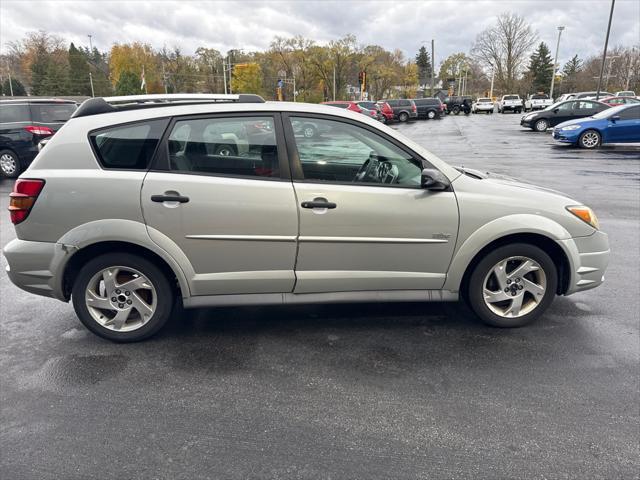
x,y
122,297
541,125
225,150
456,110
431,114
590,139
403,117
512,285
9,164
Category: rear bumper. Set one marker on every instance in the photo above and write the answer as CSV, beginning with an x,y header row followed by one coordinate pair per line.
x,y
36,267
589,257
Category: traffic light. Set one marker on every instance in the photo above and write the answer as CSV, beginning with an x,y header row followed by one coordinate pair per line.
x,y
361,77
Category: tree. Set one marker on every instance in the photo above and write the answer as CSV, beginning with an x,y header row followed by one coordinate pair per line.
x,y
423,62
452,68
570,73
128,84
79,83
541,68
503,47
247,78
16,86
133,58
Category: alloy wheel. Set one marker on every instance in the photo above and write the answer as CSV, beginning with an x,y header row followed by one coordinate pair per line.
x,y
8,164
541,125
514,287
590,139
121,298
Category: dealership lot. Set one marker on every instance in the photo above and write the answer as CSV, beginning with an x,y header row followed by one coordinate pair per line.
x,y
349,391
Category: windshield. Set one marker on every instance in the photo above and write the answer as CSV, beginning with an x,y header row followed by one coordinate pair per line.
x,y
554,106
52,112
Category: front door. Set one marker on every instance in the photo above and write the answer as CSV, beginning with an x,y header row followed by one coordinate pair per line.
x,y
365,223
221,193
626,128
562,113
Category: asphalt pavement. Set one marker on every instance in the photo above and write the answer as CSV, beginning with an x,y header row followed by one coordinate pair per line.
x,y
348,391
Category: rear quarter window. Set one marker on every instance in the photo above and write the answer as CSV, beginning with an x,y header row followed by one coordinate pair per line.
x,y
128,147
14,113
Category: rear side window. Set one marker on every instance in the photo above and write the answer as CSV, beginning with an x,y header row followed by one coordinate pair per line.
x,y
404,103
128,146
14,113
52,113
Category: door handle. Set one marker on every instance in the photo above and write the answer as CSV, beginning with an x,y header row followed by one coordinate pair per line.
x,y
169,198
318,204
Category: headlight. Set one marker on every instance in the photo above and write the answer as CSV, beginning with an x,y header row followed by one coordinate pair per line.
x,y
585,214
571,127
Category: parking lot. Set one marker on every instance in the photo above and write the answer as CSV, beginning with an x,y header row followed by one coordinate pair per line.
x,y
349,391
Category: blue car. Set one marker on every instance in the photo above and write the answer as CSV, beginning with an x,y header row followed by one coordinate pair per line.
x,y
614,125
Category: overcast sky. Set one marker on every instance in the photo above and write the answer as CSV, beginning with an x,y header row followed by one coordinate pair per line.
x,y
251,25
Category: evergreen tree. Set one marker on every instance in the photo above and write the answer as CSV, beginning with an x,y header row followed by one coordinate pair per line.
x,y
18,88
570,73
541,68
128,84
39,72
79,83
423,61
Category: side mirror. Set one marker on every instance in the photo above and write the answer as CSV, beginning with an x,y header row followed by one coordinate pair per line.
x,y
556,110
432,179
615,118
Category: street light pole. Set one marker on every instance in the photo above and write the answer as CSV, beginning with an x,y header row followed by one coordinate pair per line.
x,y
432,68
555,63
604,53
90,44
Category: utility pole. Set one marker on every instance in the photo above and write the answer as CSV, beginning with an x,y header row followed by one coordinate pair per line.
x,y
604,53
164,79
555,64
93,93
432,68
294,86
224,75
10,82
229,61
493,76
466,76
90,44
631,64
334,83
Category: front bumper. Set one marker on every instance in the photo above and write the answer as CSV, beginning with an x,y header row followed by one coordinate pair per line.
x,y
569,136
37,267
589,257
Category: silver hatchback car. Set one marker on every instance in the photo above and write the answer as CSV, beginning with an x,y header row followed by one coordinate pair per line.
x,y
222,200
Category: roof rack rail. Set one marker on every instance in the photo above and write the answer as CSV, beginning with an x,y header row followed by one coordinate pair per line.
x,y
98,105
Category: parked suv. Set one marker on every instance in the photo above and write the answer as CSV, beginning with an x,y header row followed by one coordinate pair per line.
x,y
403,109
457,104
215,200
23,124
429,108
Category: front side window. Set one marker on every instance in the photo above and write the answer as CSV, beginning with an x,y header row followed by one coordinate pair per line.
x,y
127,146
345,153
631,113
567,106
244,146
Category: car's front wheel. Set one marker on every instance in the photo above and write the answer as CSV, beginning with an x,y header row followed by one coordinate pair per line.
x,y
122,297
541,125
309,131
590,139
9,164
512,285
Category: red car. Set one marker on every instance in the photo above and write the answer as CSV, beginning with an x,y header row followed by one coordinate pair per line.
x,y
615,101
387,111
354,107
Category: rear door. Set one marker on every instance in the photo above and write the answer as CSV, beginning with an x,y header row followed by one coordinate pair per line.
x,y
365,223
221,193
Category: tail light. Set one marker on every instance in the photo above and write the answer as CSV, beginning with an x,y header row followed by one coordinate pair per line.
x,y
23,198
39,130
413,107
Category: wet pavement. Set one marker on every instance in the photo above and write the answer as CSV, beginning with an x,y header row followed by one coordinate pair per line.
x,y
348,391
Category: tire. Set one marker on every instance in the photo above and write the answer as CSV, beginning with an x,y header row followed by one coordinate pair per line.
x,y
403,117
456,110
309,131
590,139
431,115
537,287
541,125
225,150
9,164
153,287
